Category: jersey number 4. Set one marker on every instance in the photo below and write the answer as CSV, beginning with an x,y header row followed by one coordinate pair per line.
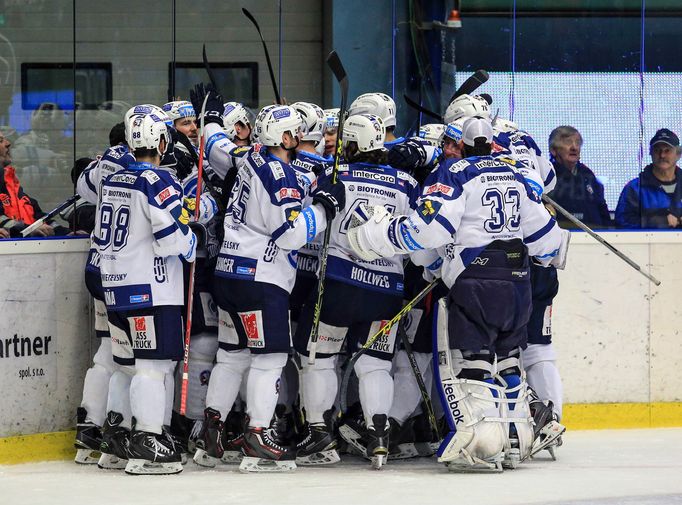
x,y
504,209
113,226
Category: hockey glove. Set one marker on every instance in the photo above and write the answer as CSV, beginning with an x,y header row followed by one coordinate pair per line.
x,y
332,198
200,233
559,261
214,103
407,156
368,233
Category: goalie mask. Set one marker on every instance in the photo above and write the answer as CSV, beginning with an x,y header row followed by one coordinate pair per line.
x,y
378,104
466,106
366,130
274,121
313,121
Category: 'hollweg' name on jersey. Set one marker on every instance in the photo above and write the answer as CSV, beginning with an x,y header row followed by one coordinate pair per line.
x,y
366,277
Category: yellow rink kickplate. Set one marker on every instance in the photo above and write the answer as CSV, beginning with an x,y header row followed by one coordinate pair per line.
x,y
579,416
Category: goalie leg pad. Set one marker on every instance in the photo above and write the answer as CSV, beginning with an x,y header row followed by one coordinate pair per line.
x,y
477,436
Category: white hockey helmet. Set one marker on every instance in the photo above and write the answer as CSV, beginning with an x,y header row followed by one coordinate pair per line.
x,y
504,125
274,121
313,120
367,130
432,133
454,130
143,110
378,104
146,132
466,106
179,109
233,113
331,118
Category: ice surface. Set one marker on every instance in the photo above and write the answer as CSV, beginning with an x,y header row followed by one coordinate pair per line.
x,y
627,467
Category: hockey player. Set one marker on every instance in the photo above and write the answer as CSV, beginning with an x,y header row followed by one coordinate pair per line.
x,y
480,216
330,132
264,226
143,236
359,296
237,123
382,105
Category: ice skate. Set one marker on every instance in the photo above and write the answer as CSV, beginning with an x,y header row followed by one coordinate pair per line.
x,y
209,444
377,441
352,430
402,440
284,426
233,438
262,453
152,454
426,442
547,428
115,443
318,447
88,439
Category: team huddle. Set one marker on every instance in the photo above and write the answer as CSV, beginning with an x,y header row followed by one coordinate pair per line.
x,y
453,215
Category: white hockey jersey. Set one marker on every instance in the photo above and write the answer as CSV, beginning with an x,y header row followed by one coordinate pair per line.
x,y
369,185
221,152
265,223
466,205
141,238
520,146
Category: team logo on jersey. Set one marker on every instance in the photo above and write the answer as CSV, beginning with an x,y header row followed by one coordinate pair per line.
x,y
253,327
386,341
5,199
139,298
439,188
288,193
507,160
163,195
291,215
240,151
428,210
150,176
277,170
140,324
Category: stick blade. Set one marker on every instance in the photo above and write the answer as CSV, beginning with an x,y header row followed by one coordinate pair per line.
x,y
334,63
472,83
250,16
422,109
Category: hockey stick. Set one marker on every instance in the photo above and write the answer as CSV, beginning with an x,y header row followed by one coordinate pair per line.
x,y
192,268
598,238
339,72
208,68
472,83
37,224
267,54
384,331
426,398
420,108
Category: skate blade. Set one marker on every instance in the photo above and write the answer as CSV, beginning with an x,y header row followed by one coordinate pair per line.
x,y
144,467
87,457
319,458
111,462
183,458
404,451
232,457
379,460
547,436
464,466
202,458
260,465
353,439
425,449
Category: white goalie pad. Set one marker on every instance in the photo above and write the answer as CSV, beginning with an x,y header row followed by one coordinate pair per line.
x,y
477,436
516,414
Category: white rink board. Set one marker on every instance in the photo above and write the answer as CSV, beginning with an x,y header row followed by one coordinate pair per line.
x,y
623,467
45,304
616,333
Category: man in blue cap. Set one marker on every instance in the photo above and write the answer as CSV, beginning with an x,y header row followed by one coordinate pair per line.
x,y
654,198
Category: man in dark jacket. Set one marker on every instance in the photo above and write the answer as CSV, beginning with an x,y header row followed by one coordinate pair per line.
x,y
577,188
654,199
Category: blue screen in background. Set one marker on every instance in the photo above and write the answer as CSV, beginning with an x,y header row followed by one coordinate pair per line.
x,y
604,107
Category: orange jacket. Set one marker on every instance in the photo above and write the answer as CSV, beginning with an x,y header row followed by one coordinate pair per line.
x,y
15,204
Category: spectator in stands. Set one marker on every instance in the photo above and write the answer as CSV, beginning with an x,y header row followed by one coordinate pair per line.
x,y
654,198
577,188
17,209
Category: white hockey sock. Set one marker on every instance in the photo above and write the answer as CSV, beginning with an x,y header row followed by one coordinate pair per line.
x,y
96,383
148,394
118,399
406,395
544,378
169,387
375,386
226,379
320,384
262,388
